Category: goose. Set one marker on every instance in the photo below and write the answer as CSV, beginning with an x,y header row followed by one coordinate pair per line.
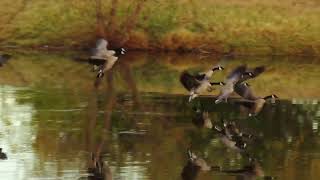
x,y
100,52
234,142
197,84
101,58
228,87
251,171
201,119
98,63
99,170
232,131
4,58
252,102
238,75
3,155
104,59
194,165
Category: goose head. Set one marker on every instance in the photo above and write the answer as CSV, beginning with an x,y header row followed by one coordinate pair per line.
x,y
122,51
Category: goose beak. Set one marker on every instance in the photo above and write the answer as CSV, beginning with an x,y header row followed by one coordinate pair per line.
x,y
250,74
220,68
221,83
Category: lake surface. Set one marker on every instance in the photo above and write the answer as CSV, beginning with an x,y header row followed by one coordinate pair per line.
x,y
52,118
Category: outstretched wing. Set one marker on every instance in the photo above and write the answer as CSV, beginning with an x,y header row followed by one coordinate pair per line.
x,y
244,90
236,74
249,74
188,81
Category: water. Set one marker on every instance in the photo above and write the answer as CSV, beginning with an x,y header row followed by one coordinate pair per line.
x,y
52,118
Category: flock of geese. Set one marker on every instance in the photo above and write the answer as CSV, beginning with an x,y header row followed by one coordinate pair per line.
x,y
104,59
200,83
229,134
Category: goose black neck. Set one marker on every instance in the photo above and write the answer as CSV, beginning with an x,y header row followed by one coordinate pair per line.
x,y
267,97
216,83
216,68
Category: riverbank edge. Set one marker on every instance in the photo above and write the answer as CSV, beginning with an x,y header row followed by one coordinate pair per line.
x,y
234,52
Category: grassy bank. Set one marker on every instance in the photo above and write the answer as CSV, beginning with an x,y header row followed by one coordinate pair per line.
x,y
289,27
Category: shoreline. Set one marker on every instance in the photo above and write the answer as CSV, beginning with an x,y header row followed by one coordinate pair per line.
x,y
207,52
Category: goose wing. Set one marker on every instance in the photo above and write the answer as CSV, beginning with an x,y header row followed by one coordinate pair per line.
x,y
249,74
188,81
244,90
235,75
231,80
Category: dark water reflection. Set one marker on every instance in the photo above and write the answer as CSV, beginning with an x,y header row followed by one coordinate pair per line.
x,y
53,120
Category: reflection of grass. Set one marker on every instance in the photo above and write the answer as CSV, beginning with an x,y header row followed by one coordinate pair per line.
x,y
286,77
250,27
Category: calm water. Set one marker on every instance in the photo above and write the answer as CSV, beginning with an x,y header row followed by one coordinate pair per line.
x,y
52,118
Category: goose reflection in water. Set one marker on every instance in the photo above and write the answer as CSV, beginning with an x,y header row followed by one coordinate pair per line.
x,y
194,165
98,167
249,172
3,155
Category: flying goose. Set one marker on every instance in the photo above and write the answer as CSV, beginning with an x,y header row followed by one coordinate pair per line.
x,y
199,83
98,63
238,75
101,58
252,102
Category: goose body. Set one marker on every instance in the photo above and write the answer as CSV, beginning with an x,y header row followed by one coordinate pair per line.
x,y
237,76
251,102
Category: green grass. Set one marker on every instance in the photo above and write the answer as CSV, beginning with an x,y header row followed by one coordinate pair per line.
x,y
289,27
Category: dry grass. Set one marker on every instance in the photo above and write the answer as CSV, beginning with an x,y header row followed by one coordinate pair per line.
x,y
241,26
